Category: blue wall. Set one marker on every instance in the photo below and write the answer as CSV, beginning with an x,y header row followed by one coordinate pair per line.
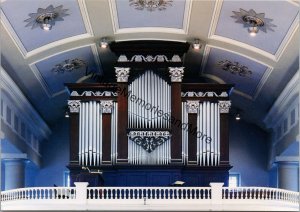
x,y
55,154
248,153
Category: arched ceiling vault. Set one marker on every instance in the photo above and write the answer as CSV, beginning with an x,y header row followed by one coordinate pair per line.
x,y
29,54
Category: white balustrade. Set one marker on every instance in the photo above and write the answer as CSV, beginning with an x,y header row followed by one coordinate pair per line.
x,y
215,197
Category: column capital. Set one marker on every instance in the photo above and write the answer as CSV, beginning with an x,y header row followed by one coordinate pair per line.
x,y
106,106
224,106
176,73
74,106
192,106
122,74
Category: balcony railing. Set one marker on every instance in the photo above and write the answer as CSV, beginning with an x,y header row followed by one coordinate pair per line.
x,y
214,197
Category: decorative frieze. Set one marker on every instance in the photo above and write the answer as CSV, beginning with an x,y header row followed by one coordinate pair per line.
x,y
106,106
192,106
122,74
149,58
74,106
205,94
149,140
176,74
224,106
96,93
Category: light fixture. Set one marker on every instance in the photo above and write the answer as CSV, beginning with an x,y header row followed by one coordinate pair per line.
x,y
150,5
103,43
235,68
69,65
237,117
67,115
45,18
196,44
253,21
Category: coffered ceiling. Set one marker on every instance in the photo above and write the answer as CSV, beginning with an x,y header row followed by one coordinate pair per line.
x,y
31,55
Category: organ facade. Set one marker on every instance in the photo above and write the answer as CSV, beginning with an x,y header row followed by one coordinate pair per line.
x,y
148,125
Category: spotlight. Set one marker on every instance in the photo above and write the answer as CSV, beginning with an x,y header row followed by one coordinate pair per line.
x,y
237,117
46,25
103,43
196,44
253,30
67,115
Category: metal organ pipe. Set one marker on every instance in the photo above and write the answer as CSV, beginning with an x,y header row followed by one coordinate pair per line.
x,y
152,94
208,134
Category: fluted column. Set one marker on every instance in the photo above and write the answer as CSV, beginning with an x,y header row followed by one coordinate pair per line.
x,y
14,173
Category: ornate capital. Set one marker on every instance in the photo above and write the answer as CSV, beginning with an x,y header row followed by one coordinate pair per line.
x,y
74,106
122,74
224,106
149,140
176,73
106,106
192,106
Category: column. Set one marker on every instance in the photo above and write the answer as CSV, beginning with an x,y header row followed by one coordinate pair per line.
x,y
176,74
288,175
122,75
224,107
14,173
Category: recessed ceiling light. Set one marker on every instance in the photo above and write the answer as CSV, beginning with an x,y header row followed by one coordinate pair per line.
x,y
103,43
196,44
46,18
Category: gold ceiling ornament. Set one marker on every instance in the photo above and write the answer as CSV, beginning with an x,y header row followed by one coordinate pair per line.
x,y
150,5
253,21
46,18
235,68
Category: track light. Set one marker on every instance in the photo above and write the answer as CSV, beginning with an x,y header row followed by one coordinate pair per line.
x,y
67,115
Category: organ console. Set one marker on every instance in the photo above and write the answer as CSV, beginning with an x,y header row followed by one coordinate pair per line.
x,y
148,125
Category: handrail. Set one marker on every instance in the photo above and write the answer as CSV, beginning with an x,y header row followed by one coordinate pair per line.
x,y
260,193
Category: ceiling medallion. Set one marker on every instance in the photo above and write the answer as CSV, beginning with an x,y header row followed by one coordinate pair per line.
x,y
69,65
253,21
235,68
150,5
45,18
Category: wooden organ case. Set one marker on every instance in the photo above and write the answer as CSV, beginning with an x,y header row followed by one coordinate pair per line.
x,y
144,124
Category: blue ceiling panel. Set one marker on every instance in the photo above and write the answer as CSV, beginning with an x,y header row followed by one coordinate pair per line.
x,y
171,17
55,81
247,85
18,11
270,41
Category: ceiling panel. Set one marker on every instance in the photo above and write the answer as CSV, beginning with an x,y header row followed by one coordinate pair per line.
x,y
18,11
248,85
270,41
53,81
130,17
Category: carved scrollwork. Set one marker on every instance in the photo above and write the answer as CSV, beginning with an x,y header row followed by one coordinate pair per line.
x,y
122,74
106,106
176,73
74,106
192,106
224,106
149,140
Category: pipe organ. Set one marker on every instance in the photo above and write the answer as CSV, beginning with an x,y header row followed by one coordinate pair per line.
x,y
149,118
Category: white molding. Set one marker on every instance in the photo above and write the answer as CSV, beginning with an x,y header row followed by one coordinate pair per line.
x,y
275,57
150,38
31,116
287,158
96,57
41,80
27,54
85,17
288,92
259,86
183,30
